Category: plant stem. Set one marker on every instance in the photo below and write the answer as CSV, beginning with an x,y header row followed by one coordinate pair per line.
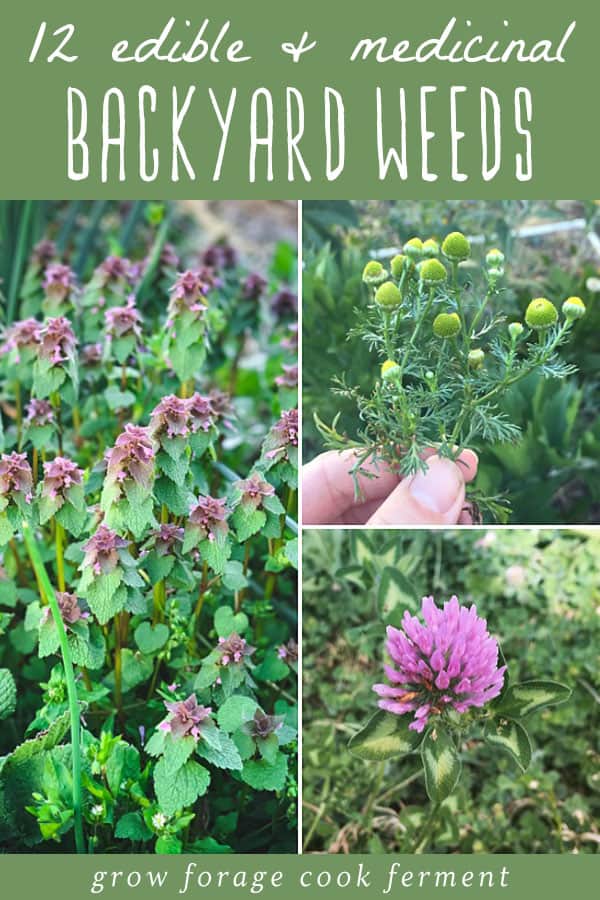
x,y
60,562
118,668
42,576
425,833
19,410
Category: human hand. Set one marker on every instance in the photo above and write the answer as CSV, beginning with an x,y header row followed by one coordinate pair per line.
x,y
434,497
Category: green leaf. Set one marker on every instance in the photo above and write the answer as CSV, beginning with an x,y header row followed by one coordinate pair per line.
x,y
510,736
135,669
395,590
175,468
207,676
105,595
291,551
122,765
272,668
247,520
176,791
176,752
117,399
224,755
235,712
72,519
523,699
233,576
6,530
168,844
384,736
41,743
131,827
264,776
441,763
175,498
268,748
8,593
8,694
216,553
150,638
227,622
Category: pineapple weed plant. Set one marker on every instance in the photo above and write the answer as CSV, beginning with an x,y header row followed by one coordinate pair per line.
x,y
156,583
447,358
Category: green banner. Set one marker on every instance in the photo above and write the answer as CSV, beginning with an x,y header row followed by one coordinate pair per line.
x,y
298,100
118,877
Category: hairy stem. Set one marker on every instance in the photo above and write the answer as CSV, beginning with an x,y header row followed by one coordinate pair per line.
x,y
42,576
59,534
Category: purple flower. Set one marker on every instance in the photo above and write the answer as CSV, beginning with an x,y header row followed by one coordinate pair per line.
x,y
253,489
253,286
291,341
201,413
59,281
450,661
69,607
39,413
91,354
170,418
15,475
220,255
289,651
209,515
112,270
57,341
101,551
186,718
234,650
43,253
131,457
24,335
262,725
283,434
168,257
284,303
166,537
59,477
188,293
122,321
289,378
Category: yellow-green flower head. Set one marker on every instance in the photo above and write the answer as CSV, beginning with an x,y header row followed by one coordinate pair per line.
x,y
573,308
388,295
374,273
431,248
541,314
398,263
515,329
432,271
494,258
389,369
414,248
476,358
446,325
456,247
495,273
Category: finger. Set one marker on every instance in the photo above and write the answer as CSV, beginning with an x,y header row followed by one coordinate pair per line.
x,y
434,497
468,462
466,516
328,488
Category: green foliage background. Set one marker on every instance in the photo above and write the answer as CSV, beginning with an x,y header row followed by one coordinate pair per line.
x,y
551,475
540,592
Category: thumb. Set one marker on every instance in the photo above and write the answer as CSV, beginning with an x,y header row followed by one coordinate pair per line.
x,y
434,497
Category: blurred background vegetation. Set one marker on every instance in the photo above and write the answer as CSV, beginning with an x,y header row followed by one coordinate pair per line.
x,y
540,592
553,250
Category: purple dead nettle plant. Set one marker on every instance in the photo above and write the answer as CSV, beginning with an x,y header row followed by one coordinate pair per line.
x,y
257,507
55,359
186,326
207,529
123,325
16,493
109,579
60,494
279,453
448,682
127,499
59,286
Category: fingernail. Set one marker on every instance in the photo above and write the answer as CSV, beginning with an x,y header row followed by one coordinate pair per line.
x,y
438,488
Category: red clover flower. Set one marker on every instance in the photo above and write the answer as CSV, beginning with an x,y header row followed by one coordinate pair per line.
x,y
450,661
